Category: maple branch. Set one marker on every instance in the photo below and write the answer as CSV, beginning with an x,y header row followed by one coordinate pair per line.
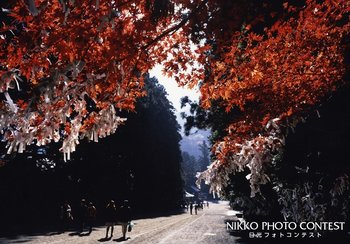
x,y
176,27
122,4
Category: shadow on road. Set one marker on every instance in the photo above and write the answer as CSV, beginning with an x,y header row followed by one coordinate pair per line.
x,y
37,229
105,239
121,239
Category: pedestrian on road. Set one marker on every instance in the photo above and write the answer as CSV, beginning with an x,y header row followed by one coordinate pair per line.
x,y
111,211
191,208
82,214
207,204
66,216
195,208
124,215
91,216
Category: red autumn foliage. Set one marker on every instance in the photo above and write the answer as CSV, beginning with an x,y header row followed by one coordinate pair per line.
x,y
83,60
283,72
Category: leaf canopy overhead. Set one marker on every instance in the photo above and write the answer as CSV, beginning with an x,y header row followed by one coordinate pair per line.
x,y
78,62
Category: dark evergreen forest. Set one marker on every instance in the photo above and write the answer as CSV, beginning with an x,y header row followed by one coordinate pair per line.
x,y
310,179
141,162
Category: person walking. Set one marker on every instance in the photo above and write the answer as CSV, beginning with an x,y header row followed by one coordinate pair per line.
x,y
110,217
66,216
82,214
91,216
124,215
191,208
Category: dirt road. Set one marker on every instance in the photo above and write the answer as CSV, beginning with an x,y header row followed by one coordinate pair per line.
x,y
206,227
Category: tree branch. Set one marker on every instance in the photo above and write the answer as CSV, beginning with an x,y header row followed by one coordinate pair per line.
x,y
176,27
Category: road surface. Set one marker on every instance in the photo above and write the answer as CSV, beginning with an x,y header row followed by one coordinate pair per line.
x,y
207,227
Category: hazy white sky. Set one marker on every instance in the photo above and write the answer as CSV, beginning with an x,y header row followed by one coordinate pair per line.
x,y
175,93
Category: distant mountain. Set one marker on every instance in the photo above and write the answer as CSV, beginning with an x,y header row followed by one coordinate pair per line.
x,y
191,143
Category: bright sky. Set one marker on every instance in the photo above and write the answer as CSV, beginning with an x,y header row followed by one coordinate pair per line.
x,y
175,93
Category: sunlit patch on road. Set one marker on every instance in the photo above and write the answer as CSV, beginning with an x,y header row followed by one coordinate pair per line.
x,y
232,213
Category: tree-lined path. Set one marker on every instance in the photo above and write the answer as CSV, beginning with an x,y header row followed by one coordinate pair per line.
x,y
274,84
206,227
